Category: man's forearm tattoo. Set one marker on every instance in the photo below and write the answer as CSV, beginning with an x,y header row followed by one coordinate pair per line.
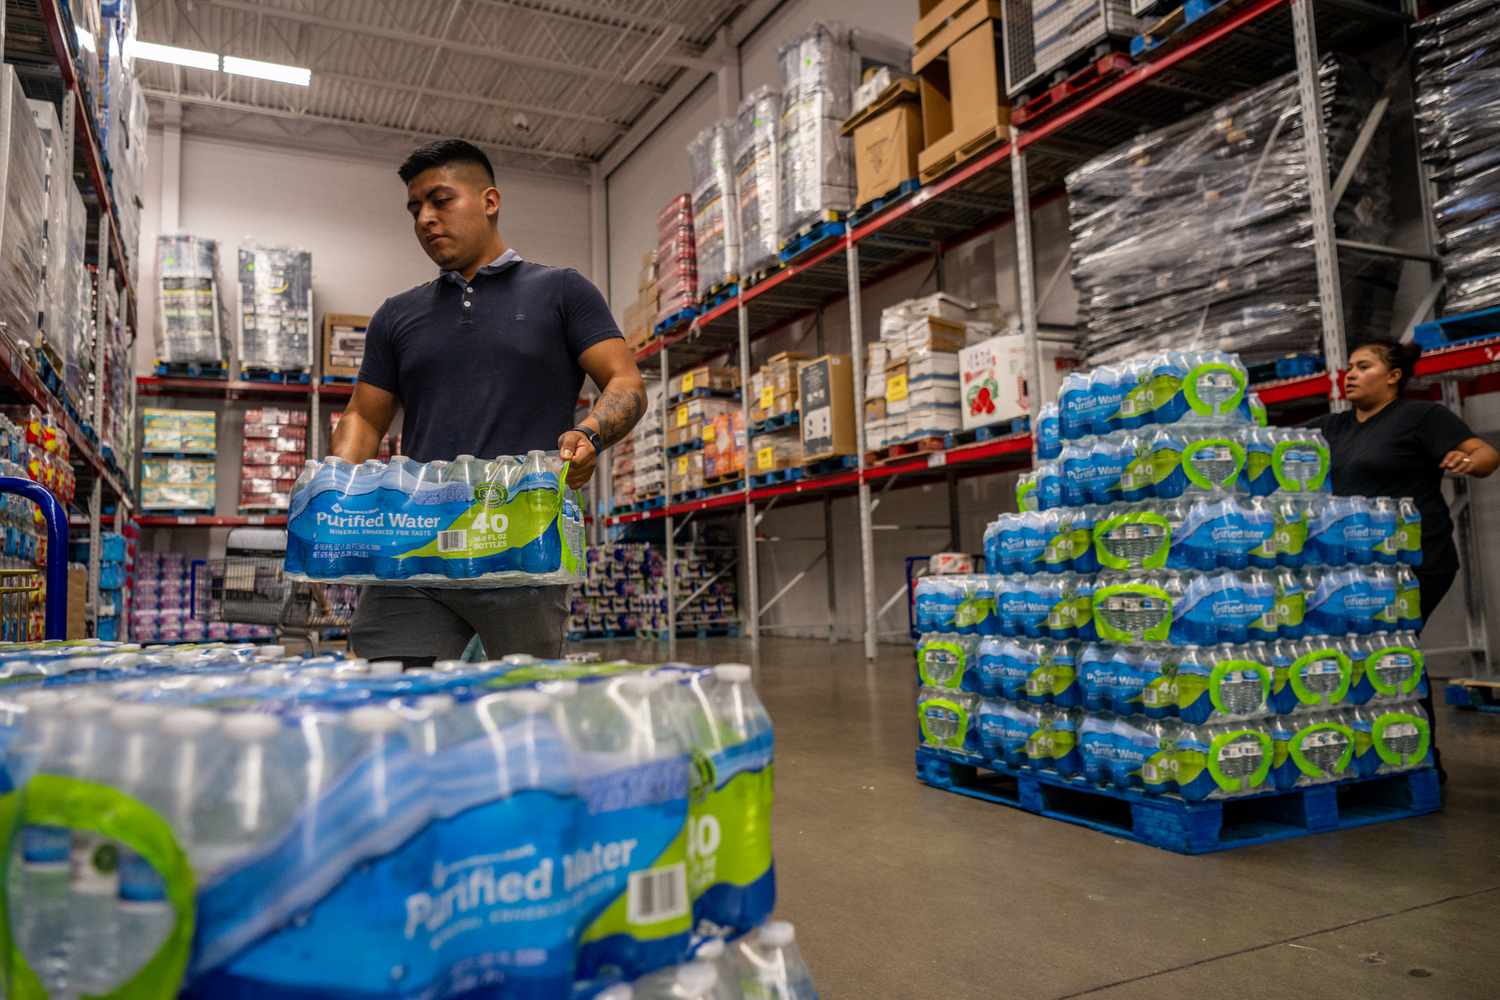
x,y
617,411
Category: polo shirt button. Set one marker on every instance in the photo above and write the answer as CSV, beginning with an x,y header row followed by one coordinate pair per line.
x,y
470,290
466,303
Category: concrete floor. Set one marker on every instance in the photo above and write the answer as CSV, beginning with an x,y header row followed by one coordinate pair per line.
x,y
902,891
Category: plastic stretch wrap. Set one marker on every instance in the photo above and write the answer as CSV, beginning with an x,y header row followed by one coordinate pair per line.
x,y
471,522
23,252
1199,235
288,827
189,324
817,170
1458,117
716,214
757,155
276,327
821,59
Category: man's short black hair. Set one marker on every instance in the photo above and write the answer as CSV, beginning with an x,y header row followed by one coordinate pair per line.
x,y
441,153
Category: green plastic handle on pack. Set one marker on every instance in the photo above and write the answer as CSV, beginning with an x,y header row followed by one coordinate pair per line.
x,y
1155,559
1109,633
52,800
956,741
1278,456
1223,669
1208,409
1311,769
1199,479
1393,757
943,645
1027,499
1239,783
1297,674
1409,683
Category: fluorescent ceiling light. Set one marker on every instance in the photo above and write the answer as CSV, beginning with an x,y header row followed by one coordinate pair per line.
x,y
297,75
178,57
86,40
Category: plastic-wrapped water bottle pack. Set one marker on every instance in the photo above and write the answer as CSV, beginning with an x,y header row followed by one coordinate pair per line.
x,y
1180,606
472,522
227,822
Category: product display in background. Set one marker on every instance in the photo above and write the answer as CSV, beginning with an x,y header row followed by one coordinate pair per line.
x,y
275,323
716,211
192,431
676,259
189,313
757,159
172,485
826,407
472,522
161,604
114,567
1199,235
1201,618
343,344
275,452
1047,36
1458,92
625,592
588,889
23,253
638,464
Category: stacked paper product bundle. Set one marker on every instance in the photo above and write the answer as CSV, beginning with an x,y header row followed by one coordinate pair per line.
x,y
56,326
622,472
471,522
116,382
24,250
918,378
162,603
757,159
275,450
1199,235
276,318
817,162
177,464
389,445
649,475
1181,607
189,320
676,259
171,431
465,797
1457,94
123,123
716,213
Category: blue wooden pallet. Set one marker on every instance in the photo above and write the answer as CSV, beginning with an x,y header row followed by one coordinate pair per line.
x,y
904,190
1019,425
704,393
1190,13
192,369
275,376
1459,329
682,449
780,422
652,503
339,379
776,477
177,512
809,238
601,634
839,463
676,319
717,296
178,454
1286,366
718,632
1174,824
1480,698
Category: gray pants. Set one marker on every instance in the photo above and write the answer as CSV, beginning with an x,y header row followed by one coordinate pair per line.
x,y
417,624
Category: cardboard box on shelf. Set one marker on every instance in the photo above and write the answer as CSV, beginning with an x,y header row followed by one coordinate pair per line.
x,y
78,593
993,376
875,409
826,390
689,417
957,62
705,377
343,343
687,472
932,333
887,140
774,452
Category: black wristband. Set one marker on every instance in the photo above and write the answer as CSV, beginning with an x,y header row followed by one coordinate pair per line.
x,y
595,441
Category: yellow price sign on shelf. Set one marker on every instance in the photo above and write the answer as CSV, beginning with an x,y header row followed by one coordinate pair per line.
x,y
895,388
687,382
767,396
709,433
682,416
765,459
682,465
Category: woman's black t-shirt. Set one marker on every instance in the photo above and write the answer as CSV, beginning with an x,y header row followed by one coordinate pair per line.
x,y
1396,454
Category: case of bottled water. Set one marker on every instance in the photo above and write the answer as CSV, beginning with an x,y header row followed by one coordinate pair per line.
x,y
1180,605
229,822
472,522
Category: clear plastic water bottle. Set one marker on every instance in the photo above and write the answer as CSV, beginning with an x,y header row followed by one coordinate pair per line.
x,y
95,879
144,917
40,883
771,966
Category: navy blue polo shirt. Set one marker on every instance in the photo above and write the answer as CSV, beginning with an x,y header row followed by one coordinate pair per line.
x,y
490,366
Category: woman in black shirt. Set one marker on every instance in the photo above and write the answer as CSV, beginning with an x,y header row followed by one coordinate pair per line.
x,y
1387,445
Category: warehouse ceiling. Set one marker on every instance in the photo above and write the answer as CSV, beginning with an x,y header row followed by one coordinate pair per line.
x,y
544,85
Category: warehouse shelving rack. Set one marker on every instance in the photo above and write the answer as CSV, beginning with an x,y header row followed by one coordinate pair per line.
x,y
1256,42
33,36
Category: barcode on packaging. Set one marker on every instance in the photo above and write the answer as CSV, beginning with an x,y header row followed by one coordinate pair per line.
x,y
453,541
657,894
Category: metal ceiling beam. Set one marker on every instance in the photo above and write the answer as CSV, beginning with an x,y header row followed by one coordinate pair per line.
x,y
608,19
198,100
415,38
474,98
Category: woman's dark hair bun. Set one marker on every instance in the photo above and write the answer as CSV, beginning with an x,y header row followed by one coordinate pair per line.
x,y
1397,355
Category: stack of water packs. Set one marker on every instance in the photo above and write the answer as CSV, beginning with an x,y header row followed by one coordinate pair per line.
x,y
1180,606
229,822
471,522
